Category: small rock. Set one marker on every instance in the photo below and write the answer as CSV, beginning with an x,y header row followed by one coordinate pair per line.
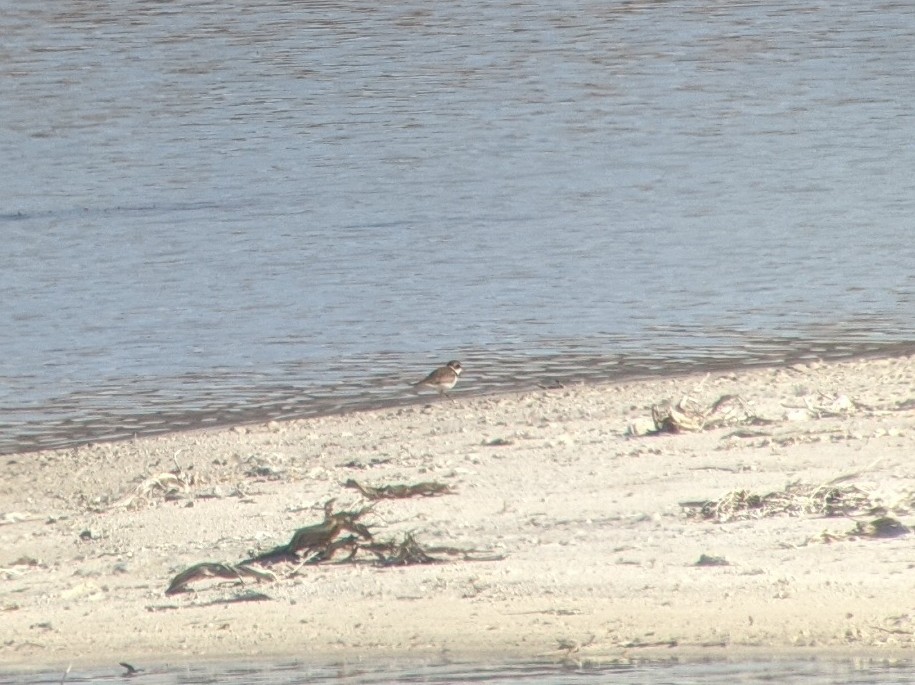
x,y
707,560
842,403
798,415
641,426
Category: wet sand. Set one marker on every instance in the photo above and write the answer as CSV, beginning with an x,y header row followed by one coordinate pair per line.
x,y
584,546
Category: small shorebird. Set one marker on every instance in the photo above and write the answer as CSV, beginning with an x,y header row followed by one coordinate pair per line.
x,y
442,379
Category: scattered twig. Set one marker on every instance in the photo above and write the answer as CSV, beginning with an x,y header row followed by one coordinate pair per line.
x,y
131,671
247,596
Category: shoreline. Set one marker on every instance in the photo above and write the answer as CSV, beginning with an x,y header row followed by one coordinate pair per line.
x,y
65,427
590,552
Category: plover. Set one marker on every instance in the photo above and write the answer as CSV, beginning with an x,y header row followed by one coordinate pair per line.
x,y
443,378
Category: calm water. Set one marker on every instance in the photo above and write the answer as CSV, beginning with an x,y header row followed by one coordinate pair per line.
x,y
799,672
214,212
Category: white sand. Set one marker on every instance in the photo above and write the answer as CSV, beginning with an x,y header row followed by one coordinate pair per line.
x,y
599,556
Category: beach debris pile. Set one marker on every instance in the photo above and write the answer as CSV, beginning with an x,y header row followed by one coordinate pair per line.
x,y
341,531
168,486
796,499
690,416
823,405
177,484
835,499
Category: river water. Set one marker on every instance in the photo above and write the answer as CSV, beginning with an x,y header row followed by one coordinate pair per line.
x,y
762,672
217,212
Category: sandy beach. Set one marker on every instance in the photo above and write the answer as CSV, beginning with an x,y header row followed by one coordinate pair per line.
x,y
775,525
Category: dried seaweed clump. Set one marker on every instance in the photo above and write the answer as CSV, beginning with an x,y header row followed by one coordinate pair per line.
x,y
882,527
795,500
399,491
408,552
403,553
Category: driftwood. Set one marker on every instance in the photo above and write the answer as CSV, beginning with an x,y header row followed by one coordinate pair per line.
x,y
320,540
425,489
214,570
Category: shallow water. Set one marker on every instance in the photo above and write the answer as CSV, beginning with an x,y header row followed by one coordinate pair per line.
x,y
215,213
789,672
